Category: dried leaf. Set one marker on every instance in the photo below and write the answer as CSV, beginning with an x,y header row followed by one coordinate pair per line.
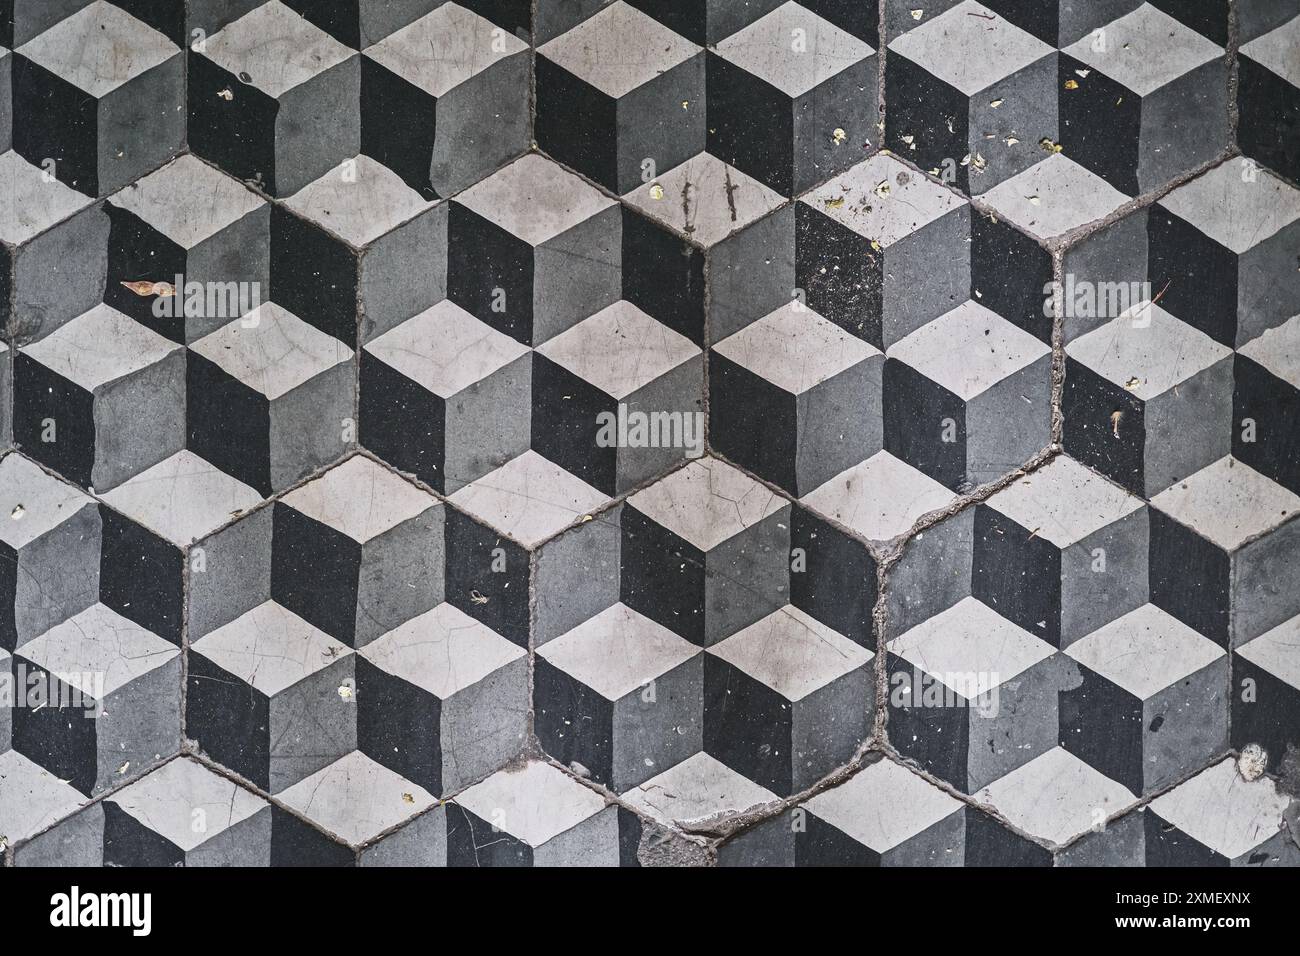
x,y
144,287
1071,84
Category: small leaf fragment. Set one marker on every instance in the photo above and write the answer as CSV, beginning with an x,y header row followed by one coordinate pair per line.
x,y
144,287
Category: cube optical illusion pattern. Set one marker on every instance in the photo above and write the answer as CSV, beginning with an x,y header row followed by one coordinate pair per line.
x,y
649,432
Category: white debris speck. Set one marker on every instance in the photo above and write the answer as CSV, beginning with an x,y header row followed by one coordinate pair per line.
x,y
1252,762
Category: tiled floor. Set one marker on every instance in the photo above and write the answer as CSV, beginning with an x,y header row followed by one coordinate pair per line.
x,y
671,432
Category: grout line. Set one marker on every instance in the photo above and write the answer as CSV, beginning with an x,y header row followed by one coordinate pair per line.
x,y
1234,72
530,733
1058,351
880,612
532,72
880,630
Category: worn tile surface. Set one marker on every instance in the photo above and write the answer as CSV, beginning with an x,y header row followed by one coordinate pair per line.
x,y
608,433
